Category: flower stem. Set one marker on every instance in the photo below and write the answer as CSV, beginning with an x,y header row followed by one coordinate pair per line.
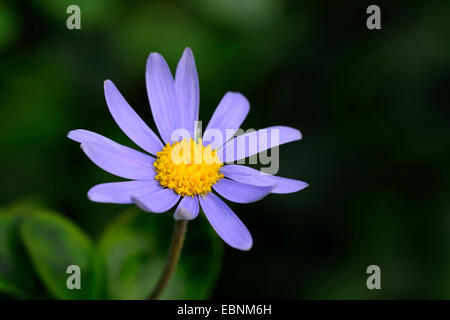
x,y
176,245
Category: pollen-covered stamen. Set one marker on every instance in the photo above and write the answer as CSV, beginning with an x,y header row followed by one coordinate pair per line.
x,y
187,167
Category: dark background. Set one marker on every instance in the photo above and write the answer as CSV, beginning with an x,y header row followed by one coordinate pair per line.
x,y
372,106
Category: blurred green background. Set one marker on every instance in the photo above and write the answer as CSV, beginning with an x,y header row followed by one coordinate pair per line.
x,y
373,107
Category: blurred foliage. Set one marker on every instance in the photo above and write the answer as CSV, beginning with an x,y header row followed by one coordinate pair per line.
x,y
15,278
54,244
37,247
135,249
9,25
372,107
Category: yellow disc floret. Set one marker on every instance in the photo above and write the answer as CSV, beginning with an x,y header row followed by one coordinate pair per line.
x,y
188,167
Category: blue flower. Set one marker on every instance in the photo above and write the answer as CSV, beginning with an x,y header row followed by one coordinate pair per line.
x,y
158,182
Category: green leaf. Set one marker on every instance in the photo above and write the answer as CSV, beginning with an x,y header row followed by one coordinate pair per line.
x,y
54,243
15,279
135,248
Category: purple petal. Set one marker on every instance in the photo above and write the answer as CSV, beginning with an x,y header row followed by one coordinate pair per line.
x,y
82,136
255,177
121,192
251,143
157,202
187,209
187,90
136,165
225,222
241,192
120,160
86,136
162,96
128,120
229,114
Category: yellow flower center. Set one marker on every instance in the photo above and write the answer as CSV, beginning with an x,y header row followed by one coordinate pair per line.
x,y
188,167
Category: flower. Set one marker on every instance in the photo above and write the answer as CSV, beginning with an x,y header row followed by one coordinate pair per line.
x,y
158,183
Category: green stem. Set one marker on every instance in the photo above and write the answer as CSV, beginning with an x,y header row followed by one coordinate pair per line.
x,y
176,245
